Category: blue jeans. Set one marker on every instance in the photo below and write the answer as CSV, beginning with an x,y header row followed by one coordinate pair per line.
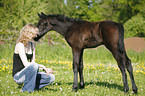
x,y
33,79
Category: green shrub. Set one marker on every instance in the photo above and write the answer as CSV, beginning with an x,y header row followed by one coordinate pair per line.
x,y
17,13
135,27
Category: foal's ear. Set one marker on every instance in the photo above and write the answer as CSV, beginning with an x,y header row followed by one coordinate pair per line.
x,y
42,15
39,15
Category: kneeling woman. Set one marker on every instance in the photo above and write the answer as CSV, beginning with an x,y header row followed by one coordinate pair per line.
x,y
25,70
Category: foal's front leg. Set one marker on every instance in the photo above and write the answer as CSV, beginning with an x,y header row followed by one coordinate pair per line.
x,y
76,58
81,71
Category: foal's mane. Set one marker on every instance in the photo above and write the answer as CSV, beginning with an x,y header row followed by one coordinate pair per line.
x,y
65,18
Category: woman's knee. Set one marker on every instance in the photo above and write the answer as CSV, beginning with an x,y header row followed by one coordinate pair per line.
x,y
19,80
52,77
34,66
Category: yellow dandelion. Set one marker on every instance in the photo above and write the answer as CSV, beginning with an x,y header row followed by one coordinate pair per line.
x,y
119,74
116,77
115,68
43,60
137,71
4,67
36,60
46,61
94,68
141,86
100,64
9,61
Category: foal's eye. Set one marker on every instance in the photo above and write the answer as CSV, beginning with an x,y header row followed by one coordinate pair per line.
x,y
45,24
41,24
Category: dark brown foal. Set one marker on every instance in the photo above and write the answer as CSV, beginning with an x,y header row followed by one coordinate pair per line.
x,y
82,34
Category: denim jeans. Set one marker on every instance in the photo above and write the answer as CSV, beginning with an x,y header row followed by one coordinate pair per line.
x,y
33,79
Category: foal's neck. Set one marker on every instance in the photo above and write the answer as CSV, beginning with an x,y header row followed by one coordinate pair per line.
x,y
62,27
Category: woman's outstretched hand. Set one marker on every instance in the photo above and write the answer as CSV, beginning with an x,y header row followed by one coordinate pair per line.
x,y
47,70
50,70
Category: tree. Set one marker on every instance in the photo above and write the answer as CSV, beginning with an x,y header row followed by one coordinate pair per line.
x,y
116,10
134,27
16,13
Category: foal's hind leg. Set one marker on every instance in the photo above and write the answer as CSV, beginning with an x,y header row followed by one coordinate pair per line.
x,y
121,64
130,70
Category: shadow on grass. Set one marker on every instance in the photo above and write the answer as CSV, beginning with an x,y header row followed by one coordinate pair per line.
x,y
99,83
106,84
46,89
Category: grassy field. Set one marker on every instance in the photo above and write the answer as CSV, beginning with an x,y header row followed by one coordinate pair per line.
x,y
101,74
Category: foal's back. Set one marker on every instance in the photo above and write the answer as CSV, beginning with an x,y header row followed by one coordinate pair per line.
x,y
91,34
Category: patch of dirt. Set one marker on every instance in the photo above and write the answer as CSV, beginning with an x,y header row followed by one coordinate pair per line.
x,y
135,43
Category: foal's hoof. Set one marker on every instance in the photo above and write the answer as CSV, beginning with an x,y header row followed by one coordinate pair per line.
x,y
135,90
74,90
82,87
126,90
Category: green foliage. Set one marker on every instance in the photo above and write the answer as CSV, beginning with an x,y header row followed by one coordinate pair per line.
x,y
135,27
128,9
116,10
91,10
17,13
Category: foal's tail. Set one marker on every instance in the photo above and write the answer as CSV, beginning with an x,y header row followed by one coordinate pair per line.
x,y
121,38
122,48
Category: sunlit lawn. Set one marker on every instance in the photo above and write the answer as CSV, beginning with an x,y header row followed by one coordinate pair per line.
x,y
101,78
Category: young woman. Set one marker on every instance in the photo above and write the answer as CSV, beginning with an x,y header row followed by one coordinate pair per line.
x,y
25,70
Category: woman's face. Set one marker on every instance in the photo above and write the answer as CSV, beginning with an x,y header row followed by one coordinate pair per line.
x,y
35,34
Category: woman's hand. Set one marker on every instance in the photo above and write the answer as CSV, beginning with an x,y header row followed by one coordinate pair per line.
x,y
47,70
44,68
50,70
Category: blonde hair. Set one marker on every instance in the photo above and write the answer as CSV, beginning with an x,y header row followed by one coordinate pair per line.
x,y
27,33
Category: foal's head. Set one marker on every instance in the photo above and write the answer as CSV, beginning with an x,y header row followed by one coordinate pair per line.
x,y
47,23
43,24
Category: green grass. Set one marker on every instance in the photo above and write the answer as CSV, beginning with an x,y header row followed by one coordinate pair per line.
x,y
101,74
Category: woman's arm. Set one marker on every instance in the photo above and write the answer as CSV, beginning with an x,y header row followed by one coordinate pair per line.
x,y
48,70
22,54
